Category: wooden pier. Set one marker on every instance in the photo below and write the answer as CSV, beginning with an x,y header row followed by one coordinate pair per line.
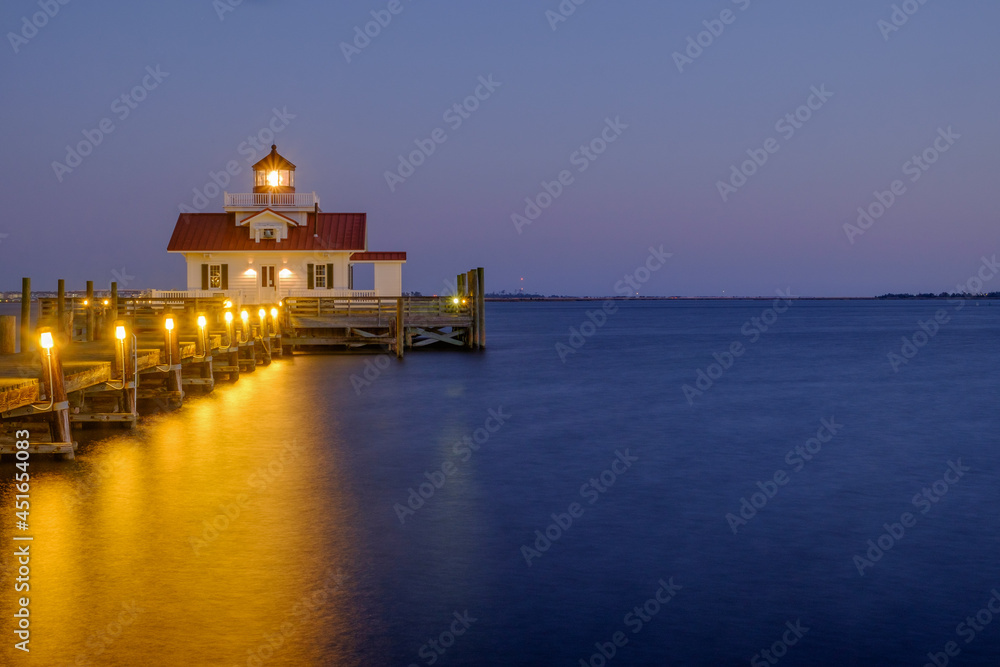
x,y
108,360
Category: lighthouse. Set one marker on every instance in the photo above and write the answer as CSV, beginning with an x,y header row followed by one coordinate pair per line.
x,y
274,242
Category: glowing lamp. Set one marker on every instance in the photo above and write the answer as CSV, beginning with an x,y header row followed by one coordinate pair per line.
x,y
285,273
274,179
245,316
251,272
262,313
455,300
229,317
86,303
201,321
169,324
274,312
120,332
228,304
46,340
281,303
105,302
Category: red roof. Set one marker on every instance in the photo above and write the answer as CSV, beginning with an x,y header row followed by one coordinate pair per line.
x,y
378,257
217,232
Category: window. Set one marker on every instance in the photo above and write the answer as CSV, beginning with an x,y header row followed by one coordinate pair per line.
x,y
320,276
214,276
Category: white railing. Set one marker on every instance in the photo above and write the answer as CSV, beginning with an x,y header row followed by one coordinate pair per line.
x,y
330,292
271,199
252,296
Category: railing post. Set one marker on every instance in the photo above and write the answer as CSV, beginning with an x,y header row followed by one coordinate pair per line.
x,y
25,315
90,311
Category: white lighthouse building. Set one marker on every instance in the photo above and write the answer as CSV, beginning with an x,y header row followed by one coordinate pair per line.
x,y
274,242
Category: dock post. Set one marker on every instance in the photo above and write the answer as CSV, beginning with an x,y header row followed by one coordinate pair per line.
x,y
61,306
460,282
481,306
90,311
25,315
400,328
114,303
471,336
8,334
172,350
56,391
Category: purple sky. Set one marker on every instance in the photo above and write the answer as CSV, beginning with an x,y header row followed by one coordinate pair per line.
x,y
656,184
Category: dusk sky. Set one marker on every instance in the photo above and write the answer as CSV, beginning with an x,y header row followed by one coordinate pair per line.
x,y
222,75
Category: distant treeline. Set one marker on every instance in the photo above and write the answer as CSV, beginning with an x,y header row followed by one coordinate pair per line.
x,y
942,295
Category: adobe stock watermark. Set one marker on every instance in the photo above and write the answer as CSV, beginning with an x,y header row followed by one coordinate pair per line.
x,y
596,319
252,148
562,12
796,460
229,513
302,611
714,28
928,329
3,236
100,640
753,329
591,491
37,21
923,501
635,621
582,159
899,17
968,629
915,168
461,450
455,116
381,18
122,107
779,649
373,371
223,7
434,648
787,126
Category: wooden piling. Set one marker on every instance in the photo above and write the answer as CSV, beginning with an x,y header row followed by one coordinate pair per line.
x,y
172,352
61,307
400,328
472,336
55,389
25,315
8,334
461,288
90,311
481,306
114,303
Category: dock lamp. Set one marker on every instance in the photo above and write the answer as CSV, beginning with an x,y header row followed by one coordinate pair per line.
x,y
202,335
120,347
46,342
245,316
168,324
262,314
274,320
229,327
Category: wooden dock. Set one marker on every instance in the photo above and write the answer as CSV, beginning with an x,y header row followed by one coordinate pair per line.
x,y
108,360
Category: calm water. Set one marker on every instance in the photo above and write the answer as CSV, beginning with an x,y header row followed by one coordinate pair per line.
x,y
127,568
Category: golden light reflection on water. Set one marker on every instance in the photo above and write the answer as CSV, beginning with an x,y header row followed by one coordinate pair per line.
x,y
195,540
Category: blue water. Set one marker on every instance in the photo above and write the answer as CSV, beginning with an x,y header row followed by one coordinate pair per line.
x,y
321,463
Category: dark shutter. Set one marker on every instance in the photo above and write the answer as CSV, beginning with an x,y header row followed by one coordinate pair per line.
x,y
350,277
311,279
329,276
225,276
204,276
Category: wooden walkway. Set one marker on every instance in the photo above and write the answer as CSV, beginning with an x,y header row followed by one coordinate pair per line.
x,y
110,360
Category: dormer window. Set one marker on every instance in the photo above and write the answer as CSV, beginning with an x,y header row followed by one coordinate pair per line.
x,y
267,234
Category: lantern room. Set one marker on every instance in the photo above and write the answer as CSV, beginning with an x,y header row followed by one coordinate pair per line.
x,y
274,174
